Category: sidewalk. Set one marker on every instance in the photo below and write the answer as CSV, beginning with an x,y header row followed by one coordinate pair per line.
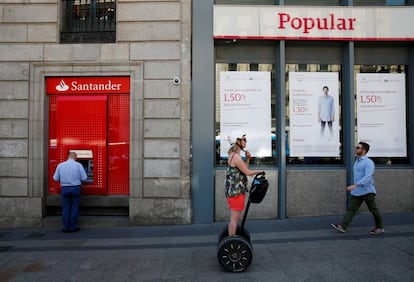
x,y
295,249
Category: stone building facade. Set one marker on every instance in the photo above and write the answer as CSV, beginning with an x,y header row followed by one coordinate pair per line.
x,y
152,47
171,56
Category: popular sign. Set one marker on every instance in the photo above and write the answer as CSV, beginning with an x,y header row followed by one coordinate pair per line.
x,y
87,85
307,24
313,23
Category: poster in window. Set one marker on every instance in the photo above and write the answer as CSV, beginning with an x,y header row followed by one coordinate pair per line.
x,y
314,114
245,105
381,113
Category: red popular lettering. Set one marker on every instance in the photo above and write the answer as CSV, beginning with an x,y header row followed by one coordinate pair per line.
x,y
306,24
283,19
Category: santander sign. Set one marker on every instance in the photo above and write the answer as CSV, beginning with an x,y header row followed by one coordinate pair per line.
x,y
88,85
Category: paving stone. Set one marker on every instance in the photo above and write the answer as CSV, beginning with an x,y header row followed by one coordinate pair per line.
x,y
300,249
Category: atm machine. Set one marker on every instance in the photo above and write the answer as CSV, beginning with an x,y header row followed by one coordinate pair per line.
x,y
79,125
85,158
90,116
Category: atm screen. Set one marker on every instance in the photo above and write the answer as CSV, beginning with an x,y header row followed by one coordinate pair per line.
x,y
88,166
85,158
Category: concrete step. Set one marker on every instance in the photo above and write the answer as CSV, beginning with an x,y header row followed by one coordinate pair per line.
x,y
55,221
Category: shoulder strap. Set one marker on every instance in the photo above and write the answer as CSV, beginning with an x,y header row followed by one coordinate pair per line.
x,y
229,163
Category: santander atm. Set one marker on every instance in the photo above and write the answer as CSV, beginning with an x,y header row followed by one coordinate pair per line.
x,y
90,116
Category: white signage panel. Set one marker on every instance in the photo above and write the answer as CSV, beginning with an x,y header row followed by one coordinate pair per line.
x,y
313,114
381,114
245,105
313,23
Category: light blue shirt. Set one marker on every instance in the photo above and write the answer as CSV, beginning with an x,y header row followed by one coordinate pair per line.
x,y
70,173
326,108
364,176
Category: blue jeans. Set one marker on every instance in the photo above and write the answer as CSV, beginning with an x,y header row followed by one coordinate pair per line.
x,y
70,207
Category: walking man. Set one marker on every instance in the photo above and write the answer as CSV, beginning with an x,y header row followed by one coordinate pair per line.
x,y
70,174
363,190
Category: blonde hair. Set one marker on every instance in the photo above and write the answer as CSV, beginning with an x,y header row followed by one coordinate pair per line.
x,y
232,149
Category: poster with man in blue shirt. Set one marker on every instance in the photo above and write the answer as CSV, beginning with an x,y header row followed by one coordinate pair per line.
x,y
363,190
70,174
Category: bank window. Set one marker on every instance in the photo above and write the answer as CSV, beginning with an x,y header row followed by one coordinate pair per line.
x,y
88,21
286,2
313,114
246,2
381,112
314,2
379,2
319,2
256,116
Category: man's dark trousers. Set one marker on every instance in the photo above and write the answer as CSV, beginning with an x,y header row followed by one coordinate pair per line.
x,y
70,207
354,204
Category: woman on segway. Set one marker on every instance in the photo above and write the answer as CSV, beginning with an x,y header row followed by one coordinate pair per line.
x,y
236,179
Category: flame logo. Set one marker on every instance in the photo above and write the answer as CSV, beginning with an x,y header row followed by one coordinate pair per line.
x,y
62,86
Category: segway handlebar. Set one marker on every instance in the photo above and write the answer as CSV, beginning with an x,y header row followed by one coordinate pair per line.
x,y
260,173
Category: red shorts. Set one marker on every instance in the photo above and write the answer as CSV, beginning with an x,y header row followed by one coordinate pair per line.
x,y
237,202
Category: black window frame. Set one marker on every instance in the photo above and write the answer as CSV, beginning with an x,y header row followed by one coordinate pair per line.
x,y
88,21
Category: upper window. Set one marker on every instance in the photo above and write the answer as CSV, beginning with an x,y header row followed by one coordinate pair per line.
x,y
318,2
274,2
88,21
314,2
379,2
246,2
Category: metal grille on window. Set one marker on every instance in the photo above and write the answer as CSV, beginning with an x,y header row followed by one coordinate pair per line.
x,y
88,21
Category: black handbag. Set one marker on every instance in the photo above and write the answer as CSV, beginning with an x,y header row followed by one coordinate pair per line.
x,y
259,188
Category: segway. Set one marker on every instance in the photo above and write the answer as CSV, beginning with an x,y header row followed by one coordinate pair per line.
x,y
235,253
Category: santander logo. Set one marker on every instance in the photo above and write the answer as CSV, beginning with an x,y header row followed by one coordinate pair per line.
x,y
88,85
62,86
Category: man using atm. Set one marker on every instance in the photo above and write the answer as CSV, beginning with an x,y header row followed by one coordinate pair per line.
x,y
70,174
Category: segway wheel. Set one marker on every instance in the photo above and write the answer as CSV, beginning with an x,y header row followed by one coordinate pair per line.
x,y
235,253
240,232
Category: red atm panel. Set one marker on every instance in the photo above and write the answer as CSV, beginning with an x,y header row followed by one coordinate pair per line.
x,y
81,125
90,115
118,144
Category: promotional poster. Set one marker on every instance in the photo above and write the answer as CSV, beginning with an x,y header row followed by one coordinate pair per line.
x,y
245,105
381,113
313,114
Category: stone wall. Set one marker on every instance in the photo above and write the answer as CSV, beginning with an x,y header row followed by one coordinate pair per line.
x,y
153,45
315,192
266,209
322,192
